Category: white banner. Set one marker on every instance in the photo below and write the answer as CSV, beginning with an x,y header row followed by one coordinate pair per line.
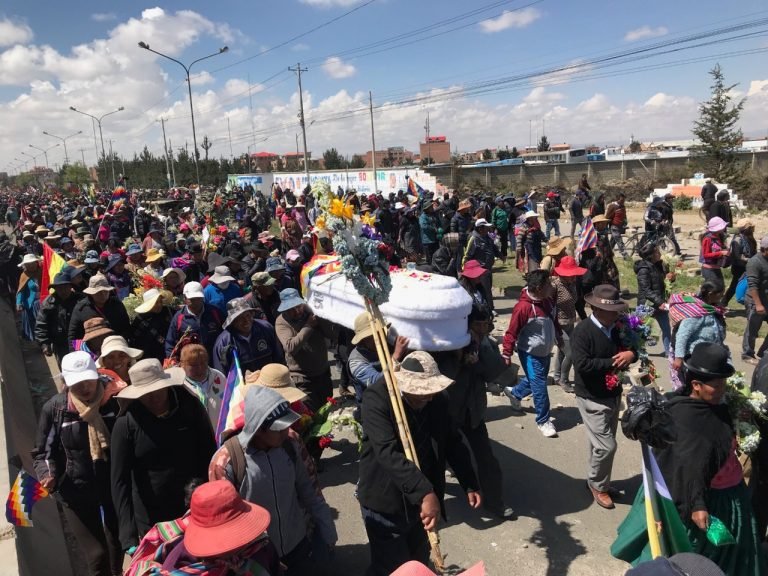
x,y
388,181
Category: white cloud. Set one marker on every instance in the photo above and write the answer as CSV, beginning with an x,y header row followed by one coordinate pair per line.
x,y
510,19
300,47
330,3
337,68
201,78
14,33
645,32
103,16
573,68
758,87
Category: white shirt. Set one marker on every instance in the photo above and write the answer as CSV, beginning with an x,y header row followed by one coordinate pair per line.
x,y
603,329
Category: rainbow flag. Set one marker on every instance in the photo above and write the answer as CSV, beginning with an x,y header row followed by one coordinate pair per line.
x,y
587,238
231,403
25,492
52,265
319,264
415,189
119,193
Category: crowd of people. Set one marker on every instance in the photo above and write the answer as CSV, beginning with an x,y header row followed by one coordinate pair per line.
x,y
152,311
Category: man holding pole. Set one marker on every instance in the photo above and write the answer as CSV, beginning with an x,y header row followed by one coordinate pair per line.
x,y
401,501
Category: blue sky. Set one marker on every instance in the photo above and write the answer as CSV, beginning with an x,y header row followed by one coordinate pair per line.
x,y
60,54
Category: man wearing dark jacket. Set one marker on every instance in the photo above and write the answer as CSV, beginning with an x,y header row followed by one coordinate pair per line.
x,y
400,500
197,316
651,287
52,326
595,348
481,247
101,302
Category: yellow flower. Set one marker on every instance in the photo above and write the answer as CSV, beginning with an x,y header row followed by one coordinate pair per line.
x,y
368,219
320,222
349,211
337,208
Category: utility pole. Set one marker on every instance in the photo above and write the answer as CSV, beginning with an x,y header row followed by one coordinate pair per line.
x,y
165,149
298,71
82,155
112,162
173,169
229,131
429,144
373,142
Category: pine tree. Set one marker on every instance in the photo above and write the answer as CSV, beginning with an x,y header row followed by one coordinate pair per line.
x,y
543,144
514,153
720,138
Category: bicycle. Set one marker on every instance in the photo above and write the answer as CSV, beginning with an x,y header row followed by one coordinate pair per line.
x,y
660,236
736,212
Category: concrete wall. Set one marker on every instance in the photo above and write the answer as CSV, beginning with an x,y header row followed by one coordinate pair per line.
x,y
569,174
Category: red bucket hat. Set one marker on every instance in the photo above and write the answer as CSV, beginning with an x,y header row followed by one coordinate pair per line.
x,y
568,267
221,521
473,269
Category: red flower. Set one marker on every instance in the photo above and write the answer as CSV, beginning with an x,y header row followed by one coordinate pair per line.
x,y
324,441
332,401
611,381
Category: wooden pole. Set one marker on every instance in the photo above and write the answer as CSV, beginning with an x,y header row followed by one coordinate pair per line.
x,y
382,349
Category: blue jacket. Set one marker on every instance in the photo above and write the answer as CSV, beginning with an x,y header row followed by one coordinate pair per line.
x,y
216,297
208,327
428,225
693,331
260,349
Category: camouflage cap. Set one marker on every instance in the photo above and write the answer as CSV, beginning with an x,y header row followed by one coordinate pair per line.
x,y
419,375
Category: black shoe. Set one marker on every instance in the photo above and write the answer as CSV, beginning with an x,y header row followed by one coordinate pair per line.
x,y
567,387
504,513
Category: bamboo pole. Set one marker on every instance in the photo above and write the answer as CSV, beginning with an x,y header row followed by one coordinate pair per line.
x,y
382,349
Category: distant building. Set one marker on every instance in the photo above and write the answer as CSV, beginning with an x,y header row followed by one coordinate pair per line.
x,y
755,144
392,156
559,147
437,148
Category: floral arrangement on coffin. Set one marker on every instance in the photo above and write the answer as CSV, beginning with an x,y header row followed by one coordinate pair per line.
x,y
321,423
364,256
634,332
747,410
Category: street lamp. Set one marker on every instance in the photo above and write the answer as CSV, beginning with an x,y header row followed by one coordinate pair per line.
x,y
145,46
44,151
20,161
64,140
34,158
101,135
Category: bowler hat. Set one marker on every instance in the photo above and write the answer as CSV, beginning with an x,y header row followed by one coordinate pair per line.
x,y
711,360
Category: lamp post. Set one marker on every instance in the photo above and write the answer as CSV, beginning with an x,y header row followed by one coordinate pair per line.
x,y
101,134
21,161
64,140
44,151
34,158
145,46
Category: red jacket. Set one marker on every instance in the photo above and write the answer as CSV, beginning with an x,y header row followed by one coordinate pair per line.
x,y
528,310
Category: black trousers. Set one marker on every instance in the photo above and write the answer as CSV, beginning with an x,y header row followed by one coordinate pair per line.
x,y
735,277
488,467
429,251
393,541
318,389
97,542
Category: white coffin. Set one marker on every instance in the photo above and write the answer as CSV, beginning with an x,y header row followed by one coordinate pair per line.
x,y
428,309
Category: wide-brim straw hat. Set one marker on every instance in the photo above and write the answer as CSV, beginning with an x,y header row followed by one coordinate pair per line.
x,y
362,327
744,224
599,218
557,245
606,297
419,375
30,259
278,378
150,297
464,205
153,255
117,344
148,376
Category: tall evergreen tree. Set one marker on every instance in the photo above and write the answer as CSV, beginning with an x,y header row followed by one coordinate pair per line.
x,y
543,144
716,129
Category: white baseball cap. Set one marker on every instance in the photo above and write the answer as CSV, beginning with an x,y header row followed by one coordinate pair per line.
x,y
481,222
77,367
193,290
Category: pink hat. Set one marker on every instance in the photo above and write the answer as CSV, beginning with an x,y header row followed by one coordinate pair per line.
x,y
414,568
716,224
473,269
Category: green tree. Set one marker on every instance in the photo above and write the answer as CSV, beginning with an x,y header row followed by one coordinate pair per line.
x,y
357,162
515,153
332,159
386,162
503,154
487,154
206,145
635,147
426,161
543,145
75,174
716,130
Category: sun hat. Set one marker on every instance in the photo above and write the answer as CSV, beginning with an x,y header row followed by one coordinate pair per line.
x,y
481,222
473,269
148,376
114,260
220,521
91,257
420,376
464,205
41,229
193,290
27,234
568,267
274,264
220,275
98,283
65,240
150,298
362,327
744,223
290,298
716,224
52,236
29,259
64,277
599,218
710,359
530,214
117,344
266,409
235,308
133,249
278,378
262,279
96,327
153,255
687,563
77,367
292,255
606,297
557,245
179,272
414,568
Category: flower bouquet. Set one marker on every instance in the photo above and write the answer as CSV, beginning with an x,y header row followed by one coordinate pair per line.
x,y
674,265
747,410
634,332
321,423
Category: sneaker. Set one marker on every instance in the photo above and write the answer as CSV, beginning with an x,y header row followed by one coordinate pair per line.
x,y
567,387
513,400
548,429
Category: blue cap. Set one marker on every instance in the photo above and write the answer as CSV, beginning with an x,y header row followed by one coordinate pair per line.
x,y
290,298
134,249
91,257
113,260
274,264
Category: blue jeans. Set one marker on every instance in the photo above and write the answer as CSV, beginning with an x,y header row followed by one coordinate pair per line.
x,y
552,225
666,330
534,382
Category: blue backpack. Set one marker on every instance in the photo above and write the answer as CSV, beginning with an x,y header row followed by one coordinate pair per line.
x,y
741,289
